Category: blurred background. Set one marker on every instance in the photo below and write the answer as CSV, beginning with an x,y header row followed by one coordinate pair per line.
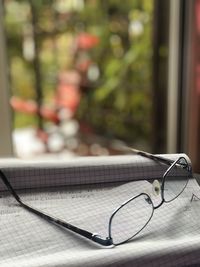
x,y
89,77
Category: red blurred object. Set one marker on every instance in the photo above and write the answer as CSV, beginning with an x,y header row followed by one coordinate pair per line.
x,y
83,66
49,114
87,41
69,77
68,92
30,107
68,96
21,105
42,135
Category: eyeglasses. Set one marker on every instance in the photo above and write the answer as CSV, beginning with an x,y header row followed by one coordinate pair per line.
x,y
132,216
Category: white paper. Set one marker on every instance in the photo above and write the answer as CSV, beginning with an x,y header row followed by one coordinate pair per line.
x,y
172,237
27,240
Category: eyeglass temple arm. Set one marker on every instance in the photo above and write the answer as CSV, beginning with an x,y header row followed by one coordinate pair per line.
x,y
151,156
94,237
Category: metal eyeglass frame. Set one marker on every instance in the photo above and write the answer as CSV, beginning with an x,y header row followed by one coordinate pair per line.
x,y
108,241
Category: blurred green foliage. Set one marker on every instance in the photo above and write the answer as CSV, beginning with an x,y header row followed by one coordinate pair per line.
x,y
118,101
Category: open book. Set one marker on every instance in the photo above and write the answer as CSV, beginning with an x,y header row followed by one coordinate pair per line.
x,y
84,192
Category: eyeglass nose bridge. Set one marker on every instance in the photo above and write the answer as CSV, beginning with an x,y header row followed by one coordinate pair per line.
x,y
148,200
154,190
159,205
158,189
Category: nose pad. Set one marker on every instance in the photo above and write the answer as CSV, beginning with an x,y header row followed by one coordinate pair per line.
x,y
156,188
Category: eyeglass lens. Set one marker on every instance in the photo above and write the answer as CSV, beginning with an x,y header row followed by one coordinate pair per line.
x,y
131,218
135,214
176,180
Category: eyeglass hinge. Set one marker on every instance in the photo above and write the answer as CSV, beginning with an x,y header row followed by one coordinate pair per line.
x,y
105,242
